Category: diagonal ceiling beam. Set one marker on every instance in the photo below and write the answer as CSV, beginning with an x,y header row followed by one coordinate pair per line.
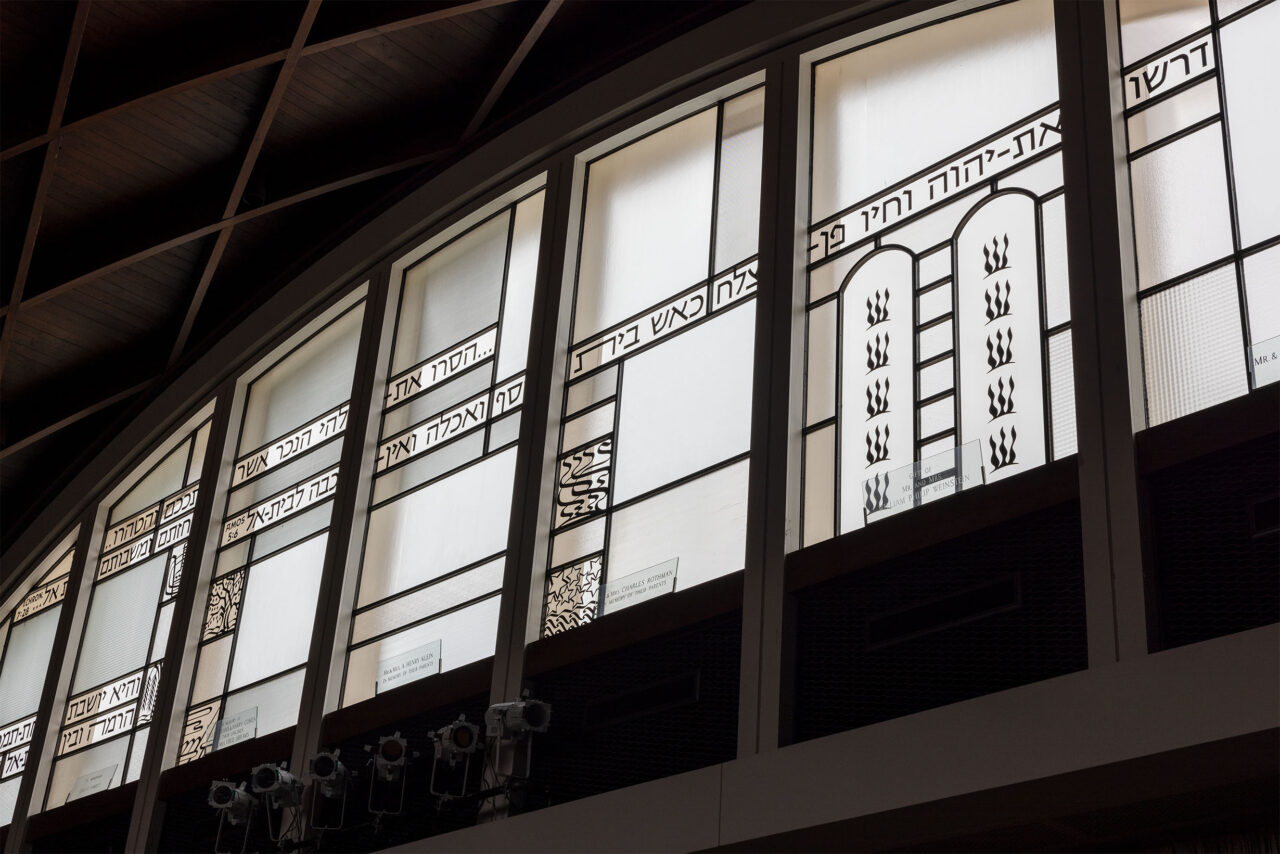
x,y
46,432
513,64
250,159
78,24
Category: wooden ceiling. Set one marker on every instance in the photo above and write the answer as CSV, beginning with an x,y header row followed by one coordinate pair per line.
x,y
166,166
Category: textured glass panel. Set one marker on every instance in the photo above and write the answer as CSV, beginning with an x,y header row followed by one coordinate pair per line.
x,y
1230,7
573,595
166,479
1057,293
591,390
451,523
232,558
820,385
118,632
934,448
25,663
465,636
453,294
935,303
588,426
8,799
299,527
577,542
1042,177
938,416
703,523
437,400
276,701
1062,395
309,381
686,405
935,340
1262,293
285,476
453,591
1180,209
1249,73
1148,25
136,755
637,246
163,621
1192,347
827,278
431,465
934,266
934,227
939,88
819,485
1172,115
69,769
738,206
197,454
936,378
277,613
211,672
513,349
504,430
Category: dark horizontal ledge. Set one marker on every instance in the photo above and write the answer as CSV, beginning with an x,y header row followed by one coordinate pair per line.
x,y
227,762
974,509
1233,422
81,811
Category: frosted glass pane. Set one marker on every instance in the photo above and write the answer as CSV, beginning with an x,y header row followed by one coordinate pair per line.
x,y
1180,213
232,558
937,378
313,379
827,279
578,542
1148,25
1057,293
135,754
8,799
211,672
820,382
1062,395
504,430
938,416
934,266
591,390
1170,116
437,400
25,663
937,447
453,294
277,702
1230,7
1192,347
431,465
738,206
703,523
934,341
299,527
465,636
284,477
1042,177
451,523
1262,292
277,613
118,632
935,303
441,596
647,226
165,479
197,454
588,426
888,110
1249,73
517,311
162,633
934,227
686,404
66,771
819,485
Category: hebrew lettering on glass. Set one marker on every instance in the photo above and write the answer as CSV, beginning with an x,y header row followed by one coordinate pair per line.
x,y
625,338
130,529
15,762
13,737
98,729
441,367
582,484
573,595
734,285
126,689
280,506
224,604
124,558
198,730
44,596
1166,72
437,430
287,447
173,572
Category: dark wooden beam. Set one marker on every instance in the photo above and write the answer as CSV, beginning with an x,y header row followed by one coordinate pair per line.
x,y
513,64
92,409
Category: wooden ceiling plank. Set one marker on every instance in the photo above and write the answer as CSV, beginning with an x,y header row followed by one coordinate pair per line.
x,y
46,432
513,64
415,21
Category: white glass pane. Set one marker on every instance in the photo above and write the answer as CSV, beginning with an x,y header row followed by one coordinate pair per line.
x,y
1262,292
118,632
935,340
1062,395
1148,25
1192,347
25,663
211,672
8,799
1230,7
937,447
232,558
738,205
686,404
827,278
441,596
1057,292
934,266
703,523
578,542
819,485
939,89
465,636
517,310
311,380
1249,73
638,248
1172,115
935,303
937,416
934,227
588,426
1042,177
66,771
135,754
936,378
451,523
820,382
428,466
162,633
276,701
297,528
591,390
1180,213
504,431
277,613
197,454
165,479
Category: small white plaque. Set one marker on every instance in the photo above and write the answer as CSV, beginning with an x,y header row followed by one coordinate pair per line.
x,y
408,666
640,586
1264,361
94,781
241,726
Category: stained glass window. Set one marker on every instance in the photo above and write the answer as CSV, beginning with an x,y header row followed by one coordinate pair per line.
x,y
1198,89
938,342
435,545
650,486
107,717
257,618
27,632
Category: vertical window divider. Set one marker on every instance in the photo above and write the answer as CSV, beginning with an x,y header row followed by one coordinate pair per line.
x,y
772,494
1107,360
39,768
175,677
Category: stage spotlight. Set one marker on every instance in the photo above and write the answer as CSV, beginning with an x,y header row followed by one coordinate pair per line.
x,y
391,757
505,720
284,789
231,801
457,740
330,774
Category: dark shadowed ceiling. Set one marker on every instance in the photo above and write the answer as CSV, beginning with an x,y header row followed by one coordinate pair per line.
x,y
166,166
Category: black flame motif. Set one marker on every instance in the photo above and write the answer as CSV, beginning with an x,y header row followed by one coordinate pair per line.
x,y
877,355
877,402
1003,454
877,446
878,311
876,492
999,349
998,305
1001,402
996,257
